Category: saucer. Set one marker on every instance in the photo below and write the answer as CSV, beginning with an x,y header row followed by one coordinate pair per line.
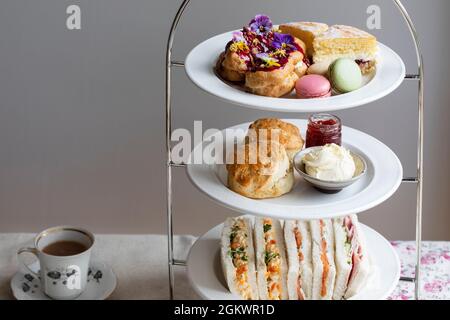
x,y
101,283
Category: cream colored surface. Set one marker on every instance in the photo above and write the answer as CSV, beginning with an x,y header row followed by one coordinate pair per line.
x,y
139,262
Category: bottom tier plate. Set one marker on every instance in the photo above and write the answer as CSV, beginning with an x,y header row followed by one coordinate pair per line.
x,y
206,276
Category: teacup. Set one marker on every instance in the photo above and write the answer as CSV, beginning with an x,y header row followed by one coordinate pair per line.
x,y
64,254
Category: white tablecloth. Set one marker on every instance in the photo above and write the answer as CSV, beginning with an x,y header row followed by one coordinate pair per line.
x,y
140,263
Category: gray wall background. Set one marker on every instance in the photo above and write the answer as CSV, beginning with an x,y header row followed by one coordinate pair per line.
x,y
82,112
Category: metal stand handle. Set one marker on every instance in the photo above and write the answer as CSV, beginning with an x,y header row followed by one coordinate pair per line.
x,y
420,140
419,179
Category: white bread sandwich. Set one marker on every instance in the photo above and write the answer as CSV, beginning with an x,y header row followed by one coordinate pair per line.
x,y
271,264
324,269
238,258
352,260
300,273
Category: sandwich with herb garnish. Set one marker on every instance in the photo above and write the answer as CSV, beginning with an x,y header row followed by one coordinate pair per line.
x,y
271,264
238,258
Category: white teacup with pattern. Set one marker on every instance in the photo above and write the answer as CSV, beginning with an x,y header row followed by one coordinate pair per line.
x,y
64,253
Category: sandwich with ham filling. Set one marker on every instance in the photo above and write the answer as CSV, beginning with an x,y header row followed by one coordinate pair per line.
x,y
352,260
238,258
271,262
324,269
300,273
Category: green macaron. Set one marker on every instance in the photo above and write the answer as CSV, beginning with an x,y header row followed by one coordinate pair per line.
x,y
345,75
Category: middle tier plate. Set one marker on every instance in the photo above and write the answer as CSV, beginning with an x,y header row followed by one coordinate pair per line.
x,y
383,177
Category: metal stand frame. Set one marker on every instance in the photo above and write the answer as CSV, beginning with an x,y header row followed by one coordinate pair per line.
x,y
418,180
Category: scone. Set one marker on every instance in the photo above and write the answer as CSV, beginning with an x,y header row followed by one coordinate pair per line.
x,y
346,42
289,135
305,31
263,172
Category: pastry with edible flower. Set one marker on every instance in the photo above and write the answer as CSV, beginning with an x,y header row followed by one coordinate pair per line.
x,y
271,79
235,61
268,61
285,44
274,73
239,44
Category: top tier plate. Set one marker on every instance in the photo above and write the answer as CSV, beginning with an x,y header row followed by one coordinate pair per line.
x,y
201,61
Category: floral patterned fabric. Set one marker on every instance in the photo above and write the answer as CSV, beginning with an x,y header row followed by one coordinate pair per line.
x,y
435,270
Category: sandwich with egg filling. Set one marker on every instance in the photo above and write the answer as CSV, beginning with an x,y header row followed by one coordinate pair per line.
x,y
300,273
238,258
271,264
324,269
352,260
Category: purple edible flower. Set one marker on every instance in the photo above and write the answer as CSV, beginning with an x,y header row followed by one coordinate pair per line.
x,y
238,36
261,24
284,41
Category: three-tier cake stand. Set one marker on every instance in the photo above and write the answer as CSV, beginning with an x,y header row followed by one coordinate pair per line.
x,y
418,179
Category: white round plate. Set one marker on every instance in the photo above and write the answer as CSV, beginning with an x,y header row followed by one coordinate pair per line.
x,y
101,283
383,177
206,275
200,63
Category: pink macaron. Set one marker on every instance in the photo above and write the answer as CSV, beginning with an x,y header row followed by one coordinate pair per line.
x,y
313,86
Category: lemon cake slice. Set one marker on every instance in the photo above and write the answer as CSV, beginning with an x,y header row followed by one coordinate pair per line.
x,y
346,42
305,31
